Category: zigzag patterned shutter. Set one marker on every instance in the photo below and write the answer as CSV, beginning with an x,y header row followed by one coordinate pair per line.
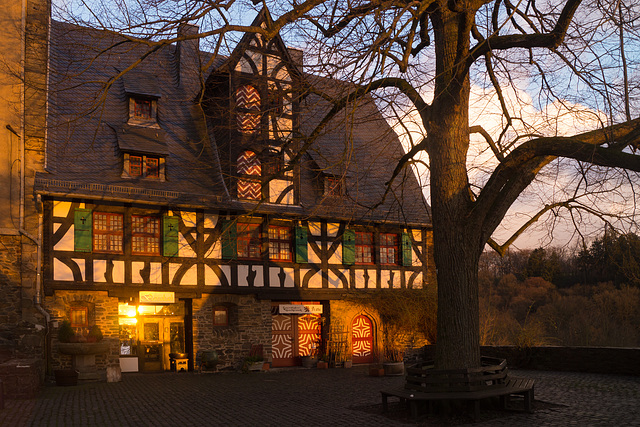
x,y
301,245
249,166
229,240
248,104
170,235
82,230
349,247
407,250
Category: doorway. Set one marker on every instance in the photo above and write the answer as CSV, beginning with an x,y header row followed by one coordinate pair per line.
x,y
362,339
160,332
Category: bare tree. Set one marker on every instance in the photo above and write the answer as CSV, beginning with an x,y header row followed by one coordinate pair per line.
x,y
574,60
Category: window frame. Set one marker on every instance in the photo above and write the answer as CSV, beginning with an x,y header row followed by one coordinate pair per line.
x,y
145,235
220,308
249,235
142,164
277,244
142,109
333,186
108,232
151,104
366,247
384,246
79,309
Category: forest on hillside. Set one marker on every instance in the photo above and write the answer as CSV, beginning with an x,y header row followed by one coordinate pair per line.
x,y
585,297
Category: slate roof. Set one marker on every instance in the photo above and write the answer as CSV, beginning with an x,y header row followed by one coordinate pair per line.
x,y
88,133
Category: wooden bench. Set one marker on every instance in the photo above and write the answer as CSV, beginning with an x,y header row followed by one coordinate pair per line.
x,y
424,384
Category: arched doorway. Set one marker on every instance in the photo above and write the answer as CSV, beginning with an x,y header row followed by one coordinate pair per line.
x,y
362,339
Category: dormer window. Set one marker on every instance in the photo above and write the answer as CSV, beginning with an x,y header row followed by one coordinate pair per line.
x,y
333,186
143,166
143,111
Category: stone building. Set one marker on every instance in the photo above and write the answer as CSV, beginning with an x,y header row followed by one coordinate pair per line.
x,y
191,202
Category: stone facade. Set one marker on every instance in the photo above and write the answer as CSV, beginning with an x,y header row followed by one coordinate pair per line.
x,y
103,311
249,324
10,259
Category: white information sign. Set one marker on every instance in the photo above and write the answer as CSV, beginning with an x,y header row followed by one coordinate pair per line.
x,y
300,309
154,297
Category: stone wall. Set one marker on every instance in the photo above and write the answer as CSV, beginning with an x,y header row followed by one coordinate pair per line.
x,y
600,360
342,313
249,324
10,258
21,378
105,315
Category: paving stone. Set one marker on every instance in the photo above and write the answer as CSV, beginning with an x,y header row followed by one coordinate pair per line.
x,y
309,397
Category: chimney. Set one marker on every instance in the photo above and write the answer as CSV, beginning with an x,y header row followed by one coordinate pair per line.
x,y
187,54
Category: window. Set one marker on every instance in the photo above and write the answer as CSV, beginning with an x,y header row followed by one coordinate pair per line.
x,y
144,166
364,248
153,167
135,165
142,109
279,243
333,186
107,232
220,316
249,171
248,115
79,317
388,248
249,246
145,235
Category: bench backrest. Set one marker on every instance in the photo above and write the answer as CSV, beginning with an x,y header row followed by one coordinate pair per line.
x,y
424,377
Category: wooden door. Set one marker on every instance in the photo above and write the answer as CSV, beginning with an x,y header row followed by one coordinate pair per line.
x,y
308,334
282,340
362,340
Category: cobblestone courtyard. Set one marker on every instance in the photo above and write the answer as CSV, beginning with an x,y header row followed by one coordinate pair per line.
x,y
307,397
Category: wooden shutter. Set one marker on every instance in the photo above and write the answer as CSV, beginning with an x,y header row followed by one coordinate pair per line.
x,y
229,240
82,230
170,235
407,250
349,247
301,245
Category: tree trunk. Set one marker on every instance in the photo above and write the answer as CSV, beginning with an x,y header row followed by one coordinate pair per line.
x,y
457,244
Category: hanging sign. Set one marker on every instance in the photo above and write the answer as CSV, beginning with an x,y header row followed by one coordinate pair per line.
x,y
154,297
300,309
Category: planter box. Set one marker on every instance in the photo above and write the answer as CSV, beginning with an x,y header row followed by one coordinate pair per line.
x,y
393,368
322,364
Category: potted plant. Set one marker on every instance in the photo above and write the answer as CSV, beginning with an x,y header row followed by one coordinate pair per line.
x,y
95,334
252,363
393,359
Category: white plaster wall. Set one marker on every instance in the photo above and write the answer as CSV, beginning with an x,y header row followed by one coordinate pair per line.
x,y
274,277
67,241
62,272
243,272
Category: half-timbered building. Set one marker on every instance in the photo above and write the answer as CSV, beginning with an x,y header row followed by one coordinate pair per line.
x,y
192,203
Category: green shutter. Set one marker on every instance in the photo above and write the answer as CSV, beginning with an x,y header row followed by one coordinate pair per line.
x,y
170,235
82,230
301,245
407,250
229,240
349,247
